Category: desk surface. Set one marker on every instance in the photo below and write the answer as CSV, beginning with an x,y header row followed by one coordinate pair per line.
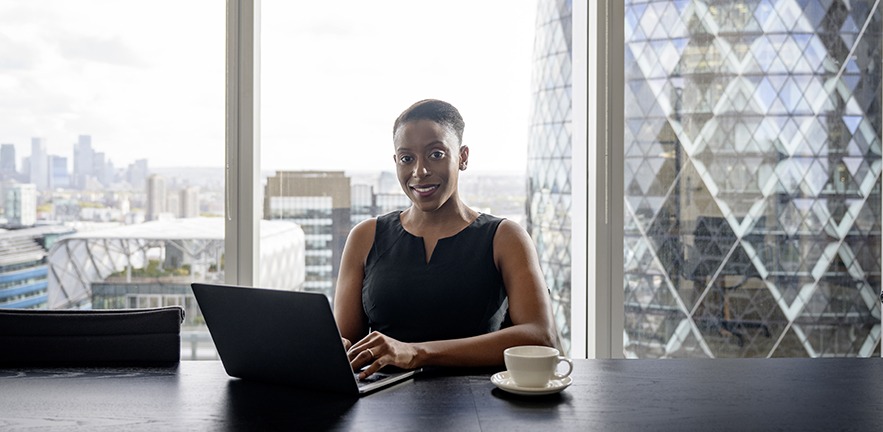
x,y
610,395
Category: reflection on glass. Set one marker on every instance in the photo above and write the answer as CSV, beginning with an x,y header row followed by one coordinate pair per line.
x,y
752,178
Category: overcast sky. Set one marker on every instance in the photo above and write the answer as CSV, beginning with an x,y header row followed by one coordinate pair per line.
x,y
146,78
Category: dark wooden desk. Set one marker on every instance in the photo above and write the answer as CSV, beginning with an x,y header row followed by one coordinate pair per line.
x,y
609,395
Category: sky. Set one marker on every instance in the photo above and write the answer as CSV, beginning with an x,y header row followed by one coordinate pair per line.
x,y
146,78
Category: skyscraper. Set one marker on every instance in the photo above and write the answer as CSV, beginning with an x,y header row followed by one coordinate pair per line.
x,y
102,169
84,158
137,174
39,161
752,178
549,154
58,174
189,202
7,161
318,201
20,202
156,197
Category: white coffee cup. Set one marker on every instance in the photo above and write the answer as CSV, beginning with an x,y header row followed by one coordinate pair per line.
x,y
534,366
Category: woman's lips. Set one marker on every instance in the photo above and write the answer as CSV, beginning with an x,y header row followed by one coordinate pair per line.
x,y
424,190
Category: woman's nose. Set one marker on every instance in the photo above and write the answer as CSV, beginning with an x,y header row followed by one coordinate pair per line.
x,y
420,169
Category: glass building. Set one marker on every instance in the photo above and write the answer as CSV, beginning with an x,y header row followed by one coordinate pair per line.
x,y
752,178
23,269
549,154
318,201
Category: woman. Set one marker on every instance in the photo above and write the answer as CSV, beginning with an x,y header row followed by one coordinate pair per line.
x,y
433,283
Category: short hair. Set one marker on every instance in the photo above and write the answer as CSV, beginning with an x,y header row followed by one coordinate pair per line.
x,y
435,110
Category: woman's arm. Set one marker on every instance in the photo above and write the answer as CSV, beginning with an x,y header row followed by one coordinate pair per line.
x,y
348,311
529,309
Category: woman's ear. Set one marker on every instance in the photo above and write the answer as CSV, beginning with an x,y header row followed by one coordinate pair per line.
x,y
464,157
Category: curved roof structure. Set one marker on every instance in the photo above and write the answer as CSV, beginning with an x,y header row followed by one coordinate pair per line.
x,y
78,260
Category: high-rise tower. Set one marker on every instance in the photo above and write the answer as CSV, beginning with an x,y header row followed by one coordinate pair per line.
x,y
752,146
39,162
549,154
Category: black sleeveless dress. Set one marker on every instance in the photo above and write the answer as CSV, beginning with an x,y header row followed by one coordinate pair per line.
x,y
458,293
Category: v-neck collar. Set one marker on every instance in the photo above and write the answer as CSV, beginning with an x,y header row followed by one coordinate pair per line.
x,y
427,262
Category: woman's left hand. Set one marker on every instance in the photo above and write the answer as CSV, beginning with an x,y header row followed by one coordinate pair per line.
x,y
378,350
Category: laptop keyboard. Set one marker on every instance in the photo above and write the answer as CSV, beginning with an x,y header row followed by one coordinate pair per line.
x,y
376,376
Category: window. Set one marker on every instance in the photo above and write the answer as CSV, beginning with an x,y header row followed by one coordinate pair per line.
x,y
113,138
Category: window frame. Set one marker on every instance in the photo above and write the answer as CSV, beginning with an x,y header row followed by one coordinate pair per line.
x,y
242,143
598,122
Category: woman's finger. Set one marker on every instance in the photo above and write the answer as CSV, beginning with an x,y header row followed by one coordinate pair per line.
x,y
373,367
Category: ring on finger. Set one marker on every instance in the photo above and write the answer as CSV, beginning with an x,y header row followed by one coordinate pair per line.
x,y
371,353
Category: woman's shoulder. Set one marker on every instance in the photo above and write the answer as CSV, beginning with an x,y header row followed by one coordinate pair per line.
x,y
361,236
500,224
391,218
510,232
366,231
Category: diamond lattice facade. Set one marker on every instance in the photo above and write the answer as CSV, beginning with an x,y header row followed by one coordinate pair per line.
x,y
752,178
549,154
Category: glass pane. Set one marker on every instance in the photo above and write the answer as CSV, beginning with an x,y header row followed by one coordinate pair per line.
x,y
112,155
752,178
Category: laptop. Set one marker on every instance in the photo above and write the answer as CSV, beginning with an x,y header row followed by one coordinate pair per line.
x,y
285,337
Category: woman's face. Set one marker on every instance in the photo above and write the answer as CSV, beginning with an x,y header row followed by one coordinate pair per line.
x,y
428,157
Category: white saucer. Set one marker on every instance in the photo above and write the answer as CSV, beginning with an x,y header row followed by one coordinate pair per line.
x,y
504,382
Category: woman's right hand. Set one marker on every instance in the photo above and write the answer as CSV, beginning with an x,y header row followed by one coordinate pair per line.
x,y
378,350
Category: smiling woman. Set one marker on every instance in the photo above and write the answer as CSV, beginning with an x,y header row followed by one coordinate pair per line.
x,y
333,75
438,284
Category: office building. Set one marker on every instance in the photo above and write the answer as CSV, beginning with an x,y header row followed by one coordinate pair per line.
x,y
136,174
20,204
23,269
7,162
189,202
549,154
156,197
84,159
318,201
58,174
39,164
100,169
361,203
752,179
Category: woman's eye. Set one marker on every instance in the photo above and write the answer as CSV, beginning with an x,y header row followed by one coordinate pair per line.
x,y
405,159
437,155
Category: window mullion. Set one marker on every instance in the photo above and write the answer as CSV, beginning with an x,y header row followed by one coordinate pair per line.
x,y
242,143
605,76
